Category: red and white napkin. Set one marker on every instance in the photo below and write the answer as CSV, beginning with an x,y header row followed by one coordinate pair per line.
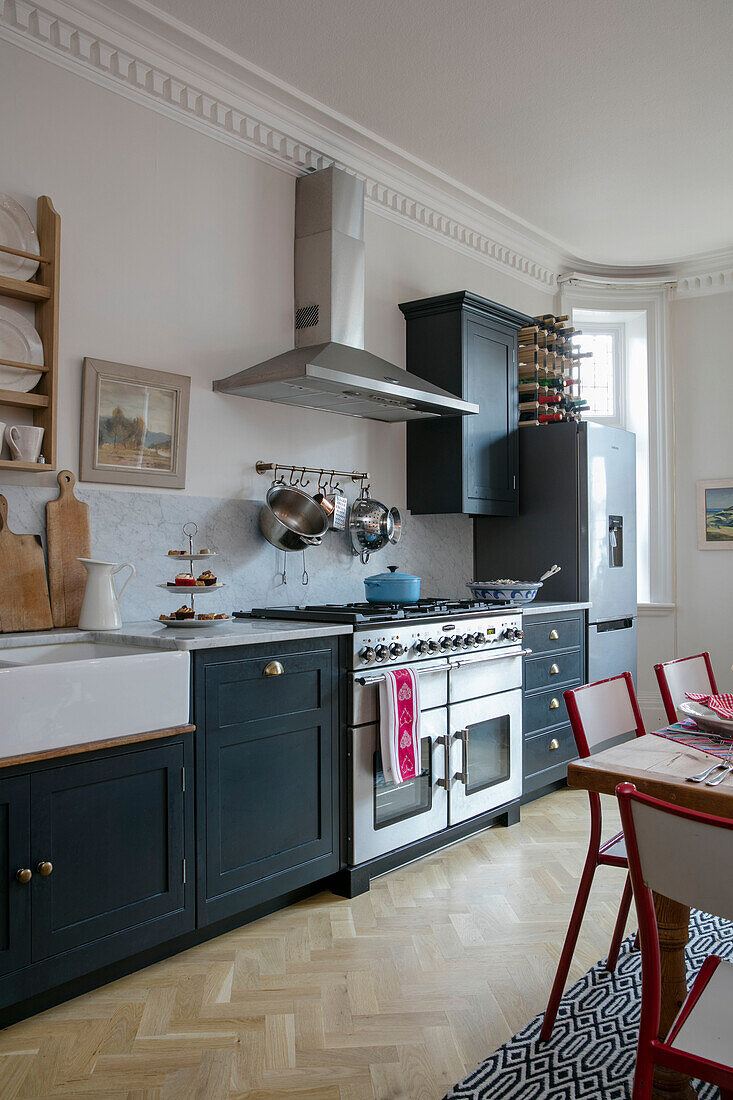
x,y
721,704
399,725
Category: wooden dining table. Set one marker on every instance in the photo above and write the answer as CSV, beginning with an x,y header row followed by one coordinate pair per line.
x,y
660,767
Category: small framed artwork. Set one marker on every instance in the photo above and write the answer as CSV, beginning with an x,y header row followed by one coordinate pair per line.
x,y
715,514
134,425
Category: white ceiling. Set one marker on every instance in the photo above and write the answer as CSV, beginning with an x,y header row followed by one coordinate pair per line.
x,y
604,123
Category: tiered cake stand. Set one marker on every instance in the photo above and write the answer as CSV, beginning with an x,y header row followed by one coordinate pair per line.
x,y
190,593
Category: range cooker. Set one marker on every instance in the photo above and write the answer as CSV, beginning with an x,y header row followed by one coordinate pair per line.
x,y
468,656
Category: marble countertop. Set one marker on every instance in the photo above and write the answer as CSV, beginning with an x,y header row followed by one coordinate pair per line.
x,y
537,607
236,632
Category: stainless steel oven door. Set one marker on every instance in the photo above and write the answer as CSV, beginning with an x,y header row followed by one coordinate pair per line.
x,y
486,754
385,816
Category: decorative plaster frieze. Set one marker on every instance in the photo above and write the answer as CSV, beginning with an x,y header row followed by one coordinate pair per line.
x,y
106,51
710,282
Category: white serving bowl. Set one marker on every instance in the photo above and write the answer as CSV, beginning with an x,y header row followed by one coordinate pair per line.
x,y
514,592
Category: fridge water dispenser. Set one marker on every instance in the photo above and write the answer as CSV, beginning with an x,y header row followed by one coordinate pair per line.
x,y
615,542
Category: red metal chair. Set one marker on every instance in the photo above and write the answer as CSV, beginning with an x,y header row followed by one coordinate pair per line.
x,y
598,713
676,678
686,856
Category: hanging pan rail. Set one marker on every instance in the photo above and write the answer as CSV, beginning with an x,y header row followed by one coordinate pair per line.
x,y
297,474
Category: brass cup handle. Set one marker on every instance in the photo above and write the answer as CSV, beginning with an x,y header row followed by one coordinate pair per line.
x,y
44,868
273,668
554,635
554,704
554,670
554,744
23,875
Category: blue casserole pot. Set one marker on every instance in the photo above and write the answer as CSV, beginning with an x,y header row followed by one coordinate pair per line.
x,y
392,587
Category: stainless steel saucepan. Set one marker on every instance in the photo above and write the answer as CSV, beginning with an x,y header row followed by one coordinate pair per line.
x,y
291,519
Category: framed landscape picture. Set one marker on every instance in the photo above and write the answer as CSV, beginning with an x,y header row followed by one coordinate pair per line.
x,y
715,514
134,425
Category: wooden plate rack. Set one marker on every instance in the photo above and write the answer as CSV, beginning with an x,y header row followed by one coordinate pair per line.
x,y
43,291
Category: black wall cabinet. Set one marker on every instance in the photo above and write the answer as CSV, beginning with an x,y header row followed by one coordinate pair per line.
x,y
467,345
267,773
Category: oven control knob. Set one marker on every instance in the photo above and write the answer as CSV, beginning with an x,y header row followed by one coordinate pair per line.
x,y
433,645
479,639
422,647
458,642
396,649
367,654
519,634
508,634
381,653
446,643
469,640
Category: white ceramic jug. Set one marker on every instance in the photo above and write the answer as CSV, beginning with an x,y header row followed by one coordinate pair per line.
x,y
101,609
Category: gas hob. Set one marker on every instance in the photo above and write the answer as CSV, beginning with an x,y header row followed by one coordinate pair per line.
x,y
360,613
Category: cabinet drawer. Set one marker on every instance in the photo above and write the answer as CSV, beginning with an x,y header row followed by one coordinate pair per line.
x,y
541,637
546,750
545,708
242,691
560,668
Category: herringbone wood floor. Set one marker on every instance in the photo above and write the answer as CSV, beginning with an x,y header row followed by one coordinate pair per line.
x,y
391,996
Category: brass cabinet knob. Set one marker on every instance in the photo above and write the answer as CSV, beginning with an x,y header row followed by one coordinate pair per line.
x,y
554,744
554,704
554,635
273,668
44,868
24,876
554,670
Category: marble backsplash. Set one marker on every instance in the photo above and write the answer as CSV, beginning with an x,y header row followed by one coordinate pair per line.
x,y
142,527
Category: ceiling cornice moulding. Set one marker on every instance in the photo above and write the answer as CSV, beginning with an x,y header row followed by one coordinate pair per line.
x,y
133,51
136,51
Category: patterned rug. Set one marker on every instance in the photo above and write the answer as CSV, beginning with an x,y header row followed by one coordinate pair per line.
x,y
593,1046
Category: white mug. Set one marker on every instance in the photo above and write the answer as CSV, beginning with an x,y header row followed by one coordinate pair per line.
x,y
24,441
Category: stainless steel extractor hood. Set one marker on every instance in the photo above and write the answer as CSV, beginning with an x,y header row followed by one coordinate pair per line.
x,y
328,369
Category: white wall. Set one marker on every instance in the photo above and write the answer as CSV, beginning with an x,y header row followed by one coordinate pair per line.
x,y
703,450
177,255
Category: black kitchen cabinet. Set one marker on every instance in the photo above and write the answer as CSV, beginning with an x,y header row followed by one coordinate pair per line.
x,y
105,837
558,662
267,773
113,829
467,345
15,894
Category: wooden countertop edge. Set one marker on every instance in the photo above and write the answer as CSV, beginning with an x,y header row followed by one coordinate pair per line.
x,y
90,746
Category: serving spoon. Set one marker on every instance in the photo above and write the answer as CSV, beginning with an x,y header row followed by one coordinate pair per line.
x,y
550,573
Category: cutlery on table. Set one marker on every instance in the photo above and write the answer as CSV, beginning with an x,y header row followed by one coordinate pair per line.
x,y
702,776
719,778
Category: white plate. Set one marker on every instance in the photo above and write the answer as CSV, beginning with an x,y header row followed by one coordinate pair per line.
x,y
18,341
195,590
706,718
191,624
16,231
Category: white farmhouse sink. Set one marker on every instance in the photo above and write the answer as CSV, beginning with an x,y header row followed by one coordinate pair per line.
x,y
71,693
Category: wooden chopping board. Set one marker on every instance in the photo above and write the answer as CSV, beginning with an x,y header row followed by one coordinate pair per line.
x,y
68,536
24,602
